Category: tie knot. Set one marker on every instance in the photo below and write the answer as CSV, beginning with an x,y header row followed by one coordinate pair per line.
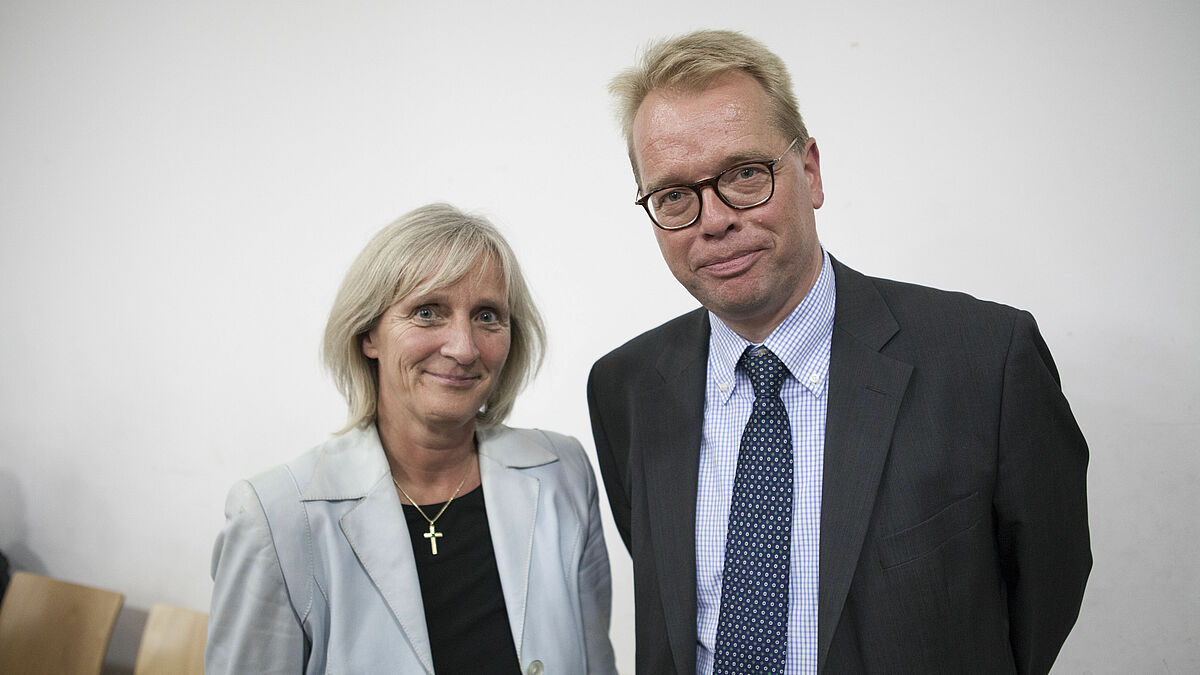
x,y
765,369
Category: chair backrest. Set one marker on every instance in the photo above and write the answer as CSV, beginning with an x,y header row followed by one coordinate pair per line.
x,y
51,626
172,642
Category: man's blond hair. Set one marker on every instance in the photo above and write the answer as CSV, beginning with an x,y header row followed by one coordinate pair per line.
x,y
691,62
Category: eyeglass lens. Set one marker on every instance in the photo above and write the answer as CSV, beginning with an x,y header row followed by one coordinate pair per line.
x,y
743,186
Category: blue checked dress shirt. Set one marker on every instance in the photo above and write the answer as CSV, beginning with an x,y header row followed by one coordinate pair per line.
x,y
802,343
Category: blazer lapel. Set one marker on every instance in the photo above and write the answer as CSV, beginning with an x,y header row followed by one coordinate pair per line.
x,y
511,496
375,528
671,422
865,391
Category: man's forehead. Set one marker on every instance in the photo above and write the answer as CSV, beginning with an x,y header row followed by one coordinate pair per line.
x,y
701,152
731,95
675,113
679,134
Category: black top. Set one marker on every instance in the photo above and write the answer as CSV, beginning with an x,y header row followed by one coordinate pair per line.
x,y
460,588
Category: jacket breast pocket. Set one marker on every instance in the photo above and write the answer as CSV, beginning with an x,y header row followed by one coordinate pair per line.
x,y
929,535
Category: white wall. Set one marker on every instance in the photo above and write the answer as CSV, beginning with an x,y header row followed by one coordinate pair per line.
x,y
182,186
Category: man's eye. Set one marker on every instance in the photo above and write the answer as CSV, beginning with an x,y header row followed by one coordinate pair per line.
x,y
669,198
748,172
424,313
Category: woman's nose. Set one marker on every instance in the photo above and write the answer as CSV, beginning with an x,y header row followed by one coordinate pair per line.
x,y
460,342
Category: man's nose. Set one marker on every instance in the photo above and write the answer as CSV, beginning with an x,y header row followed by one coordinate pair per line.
x,y
716,217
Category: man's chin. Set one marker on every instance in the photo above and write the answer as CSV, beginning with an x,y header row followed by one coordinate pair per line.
x,y
737,297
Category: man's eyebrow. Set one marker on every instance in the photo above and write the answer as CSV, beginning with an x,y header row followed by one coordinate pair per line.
x,y
747,156
730,162
667,182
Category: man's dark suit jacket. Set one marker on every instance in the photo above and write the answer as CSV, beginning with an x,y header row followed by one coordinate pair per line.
x,y
954,533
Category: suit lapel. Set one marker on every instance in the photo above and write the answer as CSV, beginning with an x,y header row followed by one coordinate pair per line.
x,y
355,468
377,532
669,443
512,499
865,392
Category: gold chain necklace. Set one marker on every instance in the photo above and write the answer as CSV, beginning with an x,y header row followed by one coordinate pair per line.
x,y
433,535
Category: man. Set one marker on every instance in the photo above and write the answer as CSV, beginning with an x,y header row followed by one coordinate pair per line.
x,y
819,471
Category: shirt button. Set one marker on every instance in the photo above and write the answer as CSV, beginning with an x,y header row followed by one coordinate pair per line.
x,y
723,386
814,379
535,668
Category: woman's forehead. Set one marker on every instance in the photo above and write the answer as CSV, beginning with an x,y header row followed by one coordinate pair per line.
x,y
484,274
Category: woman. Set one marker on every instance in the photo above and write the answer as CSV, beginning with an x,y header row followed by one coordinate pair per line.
x,y
426,536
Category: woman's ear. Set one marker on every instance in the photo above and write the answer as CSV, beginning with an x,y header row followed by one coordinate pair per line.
x,y
369,349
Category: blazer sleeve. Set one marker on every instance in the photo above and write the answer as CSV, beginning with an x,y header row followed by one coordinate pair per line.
x,y
1040,502
595,584
252,626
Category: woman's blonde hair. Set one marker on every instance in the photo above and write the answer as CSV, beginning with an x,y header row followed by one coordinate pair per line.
x,y
428,248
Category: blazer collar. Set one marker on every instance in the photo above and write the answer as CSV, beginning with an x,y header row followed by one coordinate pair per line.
x,y
348,467
684,345
512,497
509,449
860,310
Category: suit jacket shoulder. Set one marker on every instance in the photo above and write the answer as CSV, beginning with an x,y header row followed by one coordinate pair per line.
x,y
913,304
686,332
920,324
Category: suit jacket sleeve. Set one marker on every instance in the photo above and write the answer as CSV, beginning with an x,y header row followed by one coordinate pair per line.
x,y
612,464
252,626
1040,503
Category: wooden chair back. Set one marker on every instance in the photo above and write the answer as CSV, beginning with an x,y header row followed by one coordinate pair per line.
x,y
172,642
55,627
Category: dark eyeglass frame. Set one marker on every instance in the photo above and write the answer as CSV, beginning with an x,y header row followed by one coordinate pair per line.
x,y
700,185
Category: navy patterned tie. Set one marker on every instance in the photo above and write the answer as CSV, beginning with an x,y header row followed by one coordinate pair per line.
x,y
752,627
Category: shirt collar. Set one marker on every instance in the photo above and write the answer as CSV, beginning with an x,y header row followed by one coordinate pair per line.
x,y
801,342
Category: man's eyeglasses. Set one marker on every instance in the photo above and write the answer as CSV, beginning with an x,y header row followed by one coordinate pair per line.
x,y
744,186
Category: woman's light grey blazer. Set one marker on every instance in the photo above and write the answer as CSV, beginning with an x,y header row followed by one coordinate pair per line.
x,y
314,570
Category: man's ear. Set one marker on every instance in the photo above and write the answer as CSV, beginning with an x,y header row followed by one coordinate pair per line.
x,y
811,157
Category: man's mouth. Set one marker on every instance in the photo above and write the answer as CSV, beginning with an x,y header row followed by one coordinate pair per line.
x,y
732,264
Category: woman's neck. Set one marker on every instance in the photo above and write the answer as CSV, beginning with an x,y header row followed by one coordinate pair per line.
x,y
429,463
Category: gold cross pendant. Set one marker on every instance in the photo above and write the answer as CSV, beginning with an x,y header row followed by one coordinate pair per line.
x,y
432,535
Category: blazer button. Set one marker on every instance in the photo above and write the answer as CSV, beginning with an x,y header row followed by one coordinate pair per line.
x,y
535,668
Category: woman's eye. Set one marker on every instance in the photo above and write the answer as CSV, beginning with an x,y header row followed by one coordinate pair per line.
x,y
424,313
487,316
